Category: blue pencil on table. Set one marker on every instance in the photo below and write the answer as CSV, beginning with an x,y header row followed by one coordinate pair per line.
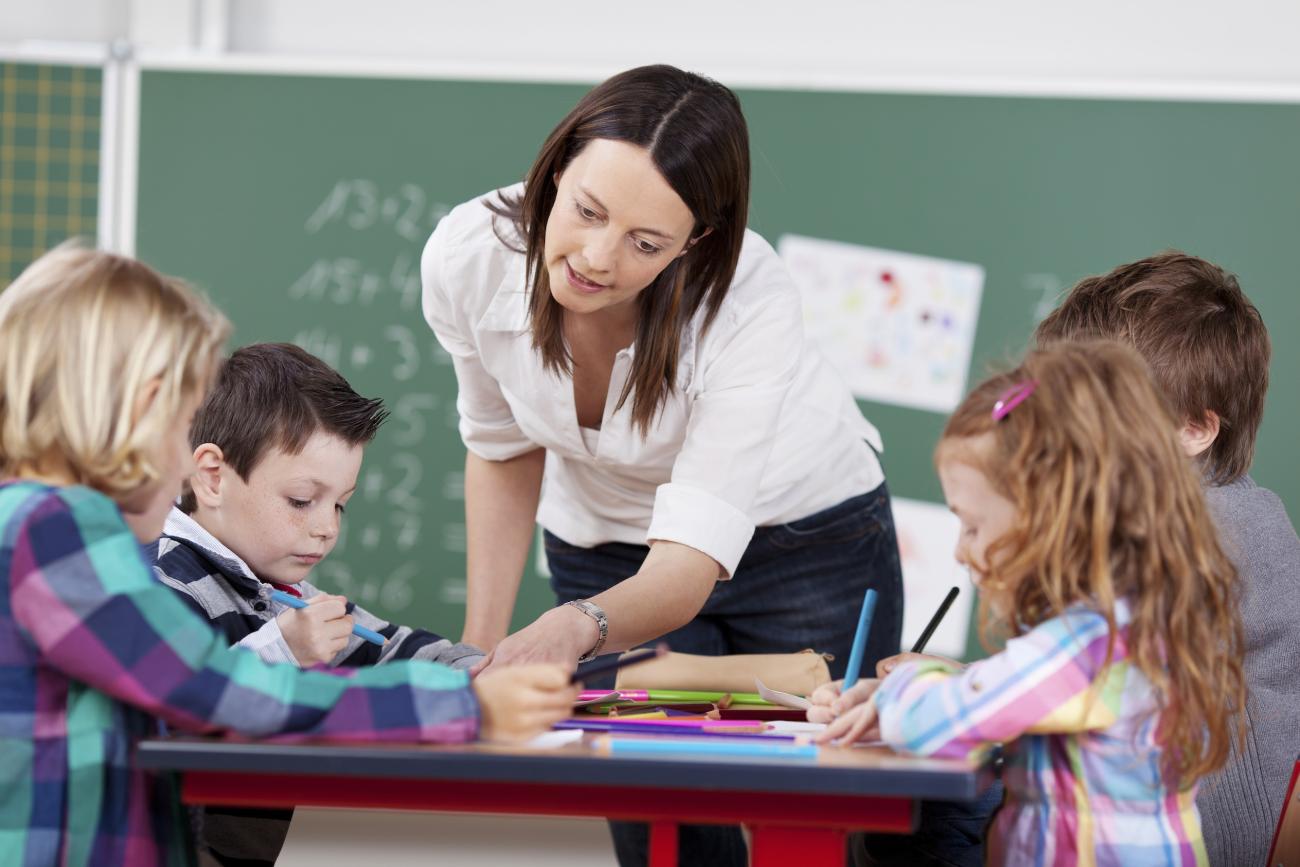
x,y
621,746
860,640
357,629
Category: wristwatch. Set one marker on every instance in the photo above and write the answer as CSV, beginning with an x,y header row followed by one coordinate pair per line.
x,y
596,613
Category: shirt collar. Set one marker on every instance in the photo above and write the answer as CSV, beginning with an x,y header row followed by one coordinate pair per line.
x,y
183,528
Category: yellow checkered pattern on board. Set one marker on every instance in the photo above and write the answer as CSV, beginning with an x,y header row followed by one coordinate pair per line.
x,y
49,159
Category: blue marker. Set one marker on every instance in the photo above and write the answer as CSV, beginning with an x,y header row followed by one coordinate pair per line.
x,y
357,629
665,746
860,640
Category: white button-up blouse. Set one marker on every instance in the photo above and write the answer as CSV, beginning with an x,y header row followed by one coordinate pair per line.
x,y
758,430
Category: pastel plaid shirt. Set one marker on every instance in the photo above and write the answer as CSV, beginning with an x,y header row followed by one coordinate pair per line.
x,y
94,650
1084,777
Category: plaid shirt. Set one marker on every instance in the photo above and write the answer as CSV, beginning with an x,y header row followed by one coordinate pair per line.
x,y
93,650
1084,783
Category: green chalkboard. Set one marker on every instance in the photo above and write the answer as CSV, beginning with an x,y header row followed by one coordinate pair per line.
x,y
49,159
302,203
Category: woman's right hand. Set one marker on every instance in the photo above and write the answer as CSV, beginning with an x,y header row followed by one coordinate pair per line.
x,y
522,701
561,635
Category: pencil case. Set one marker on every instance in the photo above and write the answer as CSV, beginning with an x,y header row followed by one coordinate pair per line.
x,y
799,673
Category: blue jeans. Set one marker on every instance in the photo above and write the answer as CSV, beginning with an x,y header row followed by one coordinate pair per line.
x,y
799,585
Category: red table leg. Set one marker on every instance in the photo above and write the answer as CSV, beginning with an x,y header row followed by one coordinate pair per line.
x,y
663,844
781,846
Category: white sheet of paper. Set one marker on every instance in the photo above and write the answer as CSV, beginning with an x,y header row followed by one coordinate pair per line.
x,y
555,740
898,327
785,699
927,535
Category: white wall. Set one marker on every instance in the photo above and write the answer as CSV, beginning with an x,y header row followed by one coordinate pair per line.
x,y
830,42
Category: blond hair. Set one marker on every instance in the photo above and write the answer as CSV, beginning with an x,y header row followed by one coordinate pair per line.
x,y
1108,508
83,336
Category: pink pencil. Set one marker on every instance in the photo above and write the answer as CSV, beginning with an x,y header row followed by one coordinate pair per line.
x,y
693,723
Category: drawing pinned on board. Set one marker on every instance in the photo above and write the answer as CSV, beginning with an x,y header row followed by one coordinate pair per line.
x,y
898,327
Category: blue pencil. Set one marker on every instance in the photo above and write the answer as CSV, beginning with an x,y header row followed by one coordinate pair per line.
x,y
860,640
712,748
358,630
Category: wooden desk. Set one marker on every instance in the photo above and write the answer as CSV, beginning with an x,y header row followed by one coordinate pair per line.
x,y
798,811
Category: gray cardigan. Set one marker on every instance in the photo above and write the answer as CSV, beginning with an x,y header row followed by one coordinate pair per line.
x,y
1240,804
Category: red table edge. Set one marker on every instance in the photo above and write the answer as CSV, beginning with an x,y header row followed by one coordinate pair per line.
x,y
787,827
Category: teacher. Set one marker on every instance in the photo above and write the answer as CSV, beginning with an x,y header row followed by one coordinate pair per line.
x,y
634,377
616,329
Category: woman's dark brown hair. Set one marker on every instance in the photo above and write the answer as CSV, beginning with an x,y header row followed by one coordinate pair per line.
x,y
696,136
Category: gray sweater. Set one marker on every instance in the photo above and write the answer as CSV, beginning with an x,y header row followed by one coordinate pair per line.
x,y
1240,804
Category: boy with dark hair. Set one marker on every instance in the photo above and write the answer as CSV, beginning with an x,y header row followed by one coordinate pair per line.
x,y
1208,351
277,449
277,445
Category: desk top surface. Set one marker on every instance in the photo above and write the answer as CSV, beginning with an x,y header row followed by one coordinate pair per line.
x,y
862,771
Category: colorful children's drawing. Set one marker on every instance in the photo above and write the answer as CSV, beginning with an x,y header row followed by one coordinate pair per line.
x,y
898,327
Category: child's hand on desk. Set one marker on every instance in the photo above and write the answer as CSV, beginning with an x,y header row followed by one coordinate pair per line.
x,y
889,663
829,700
318,632
855,724
822,699
522,701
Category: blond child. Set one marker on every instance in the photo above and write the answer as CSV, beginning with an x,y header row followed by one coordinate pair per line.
x,y
103,363
1120,682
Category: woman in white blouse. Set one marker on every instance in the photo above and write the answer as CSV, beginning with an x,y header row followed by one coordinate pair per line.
x,y
617,331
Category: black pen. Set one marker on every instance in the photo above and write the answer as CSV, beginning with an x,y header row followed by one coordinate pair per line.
x,y
934,621
617,662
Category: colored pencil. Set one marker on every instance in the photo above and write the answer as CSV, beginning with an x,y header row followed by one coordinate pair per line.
x,y
935,620
760,748
860,640
357,629
614,663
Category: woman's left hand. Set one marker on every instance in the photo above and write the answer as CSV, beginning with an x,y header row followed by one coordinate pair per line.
x,y
560,635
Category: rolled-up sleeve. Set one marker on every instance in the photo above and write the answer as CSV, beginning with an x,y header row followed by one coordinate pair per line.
x,y
749,363
457,287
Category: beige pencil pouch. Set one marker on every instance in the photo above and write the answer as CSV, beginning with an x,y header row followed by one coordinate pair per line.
x,y
798,673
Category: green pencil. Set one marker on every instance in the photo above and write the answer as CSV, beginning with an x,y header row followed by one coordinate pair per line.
x,y
677,695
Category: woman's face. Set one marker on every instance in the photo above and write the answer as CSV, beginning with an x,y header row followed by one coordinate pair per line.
x,y
615,225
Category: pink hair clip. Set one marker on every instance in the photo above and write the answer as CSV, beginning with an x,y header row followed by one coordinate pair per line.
x,y
1012,398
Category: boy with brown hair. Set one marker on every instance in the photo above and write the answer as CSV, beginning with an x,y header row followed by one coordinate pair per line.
x,y
277,448
1208,350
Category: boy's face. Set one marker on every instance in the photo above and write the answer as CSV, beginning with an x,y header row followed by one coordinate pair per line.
x,y
285,518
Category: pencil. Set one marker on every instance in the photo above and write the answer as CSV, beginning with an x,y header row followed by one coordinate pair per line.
x,y
357,629
934,621
860,640
614,663
760,746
